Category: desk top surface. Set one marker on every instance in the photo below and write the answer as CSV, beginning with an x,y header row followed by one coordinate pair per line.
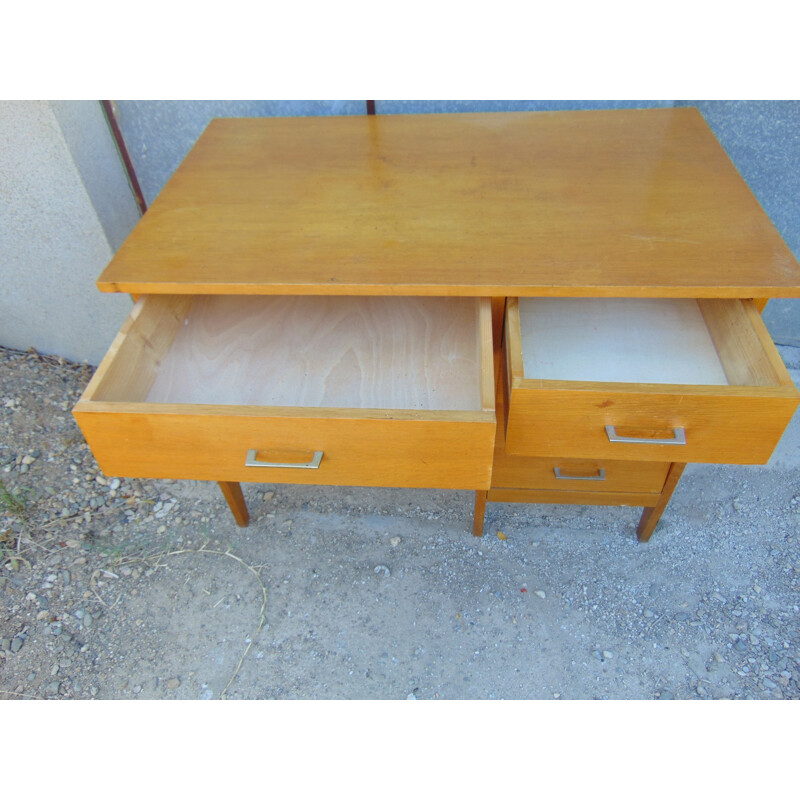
x,y
626,203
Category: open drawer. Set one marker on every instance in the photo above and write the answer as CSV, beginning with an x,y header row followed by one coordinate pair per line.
x,y
644,379
364,391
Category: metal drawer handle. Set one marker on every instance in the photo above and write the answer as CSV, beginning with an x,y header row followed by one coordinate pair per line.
x,y
679,437
252,461
601,476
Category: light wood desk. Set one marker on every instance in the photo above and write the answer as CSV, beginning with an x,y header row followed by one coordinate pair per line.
x,y
541,307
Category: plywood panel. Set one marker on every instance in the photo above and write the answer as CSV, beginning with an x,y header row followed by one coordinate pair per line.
x,y
365,352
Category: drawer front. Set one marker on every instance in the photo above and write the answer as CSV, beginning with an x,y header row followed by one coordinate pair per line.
x,y
589,475
434,453
740,421
609,425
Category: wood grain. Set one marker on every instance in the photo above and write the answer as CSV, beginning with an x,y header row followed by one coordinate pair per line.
x,y
442,451
334,352
605,203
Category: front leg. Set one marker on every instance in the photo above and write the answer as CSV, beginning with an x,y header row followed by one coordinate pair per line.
x,y
233,494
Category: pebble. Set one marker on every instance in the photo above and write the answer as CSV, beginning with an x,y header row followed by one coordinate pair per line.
x,y
16,644
173,683
394,541
540,593
382,568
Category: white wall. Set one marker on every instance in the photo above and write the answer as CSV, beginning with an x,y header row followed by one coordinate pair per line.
x,y
65,206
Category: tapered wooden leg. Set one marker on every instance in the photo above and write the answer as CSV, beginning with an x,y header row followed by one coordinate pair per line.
x,y
233,494
651,516
480,512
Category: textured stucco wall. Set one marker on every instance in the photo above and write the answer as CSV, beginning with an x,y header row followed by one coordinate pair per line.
x,y
53,239
456,106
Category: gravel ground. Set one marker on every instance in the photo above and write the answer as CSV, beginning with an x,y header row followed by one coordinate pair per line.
x,y
135,589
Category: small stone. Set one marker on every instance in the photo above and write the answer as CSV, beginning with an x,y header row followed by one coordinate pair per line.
x,y
173,683
16,644
394,541
412,696
161,529
768,684
5,643
137,689
666,694
53,688
382,568
114,485
28,459
540,593
268,496
607,654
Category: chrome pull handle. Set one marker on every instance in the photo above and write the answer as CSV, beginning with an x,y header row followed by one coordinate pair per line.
x,y
252,461
601,476
678,437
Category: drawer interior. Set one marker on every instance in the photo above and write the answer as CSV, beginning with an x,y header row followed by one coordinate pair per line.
x,y
428,353
645,341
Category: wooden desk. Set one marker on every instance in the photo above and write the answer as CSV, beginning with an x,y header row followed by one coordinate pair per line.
x,y
372,289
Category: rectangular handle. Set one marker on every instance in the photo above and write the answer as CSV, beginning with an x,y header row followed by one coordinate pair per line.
x,y
601,476
678,437
252,461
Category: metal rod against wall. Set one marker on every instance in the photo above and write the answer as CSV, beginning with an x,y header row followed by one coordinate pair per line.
x,y
108,108
370,107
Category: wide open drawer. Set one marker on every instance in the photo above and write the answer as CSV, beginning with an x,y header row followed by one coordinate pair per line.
x,y
652,380
330,390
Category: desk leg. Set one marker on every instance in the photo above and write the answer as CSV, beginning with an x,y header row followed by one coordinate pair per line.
x,y
651,516
480,511
233,494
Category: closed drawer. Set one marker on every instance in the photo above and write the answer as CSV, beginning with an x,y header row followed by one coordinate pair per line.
x,y
345,391
644,380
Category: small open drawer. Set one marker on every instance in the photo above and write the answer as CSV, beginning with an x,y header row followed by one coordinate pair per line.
x,y
644,379
363,391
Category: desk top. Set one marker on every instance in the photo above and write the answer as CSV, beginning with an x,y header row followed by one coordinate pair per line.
x,y
625,203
